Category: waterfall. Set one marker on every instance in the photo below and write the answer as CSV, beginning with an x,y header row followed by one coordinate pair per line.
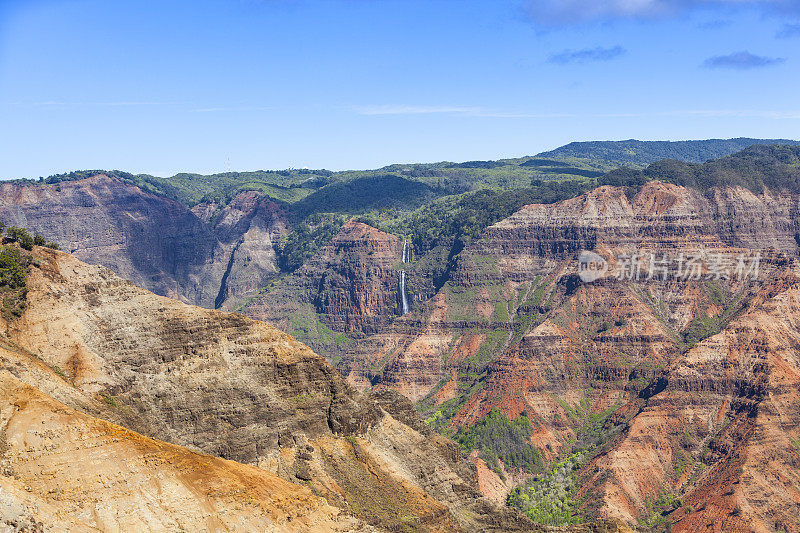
x,y
403,296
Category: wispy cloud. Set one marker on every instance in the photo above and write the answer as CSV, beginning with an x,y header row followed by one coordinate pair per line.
x,y
464,111
415,110
788,31
481,112
587,55
743,60
56,103
574,12
231,109
741,113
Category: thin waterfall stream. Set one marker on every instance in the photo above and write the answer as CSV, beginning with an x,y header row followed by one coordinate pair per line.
x,y
403,295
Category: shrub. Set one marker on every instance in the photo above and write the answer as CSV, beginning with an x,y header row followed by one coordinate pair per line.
x,y
13,280
548,499
497,437
13,268
21,236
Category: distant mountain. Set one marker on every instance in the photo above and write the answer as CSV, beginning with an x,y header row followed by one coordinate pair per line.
x,y
759,167
642,153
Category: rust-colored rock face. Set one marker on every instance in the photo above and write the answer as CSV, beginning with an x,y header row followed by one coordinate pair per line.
x,y
357,290
721,427
219,383
683,386
516,277
515,328
351,284
155,242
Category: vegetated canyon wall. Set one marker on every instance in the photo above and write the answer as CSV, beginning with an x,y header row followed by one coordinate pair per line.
x,y
505,282
514,328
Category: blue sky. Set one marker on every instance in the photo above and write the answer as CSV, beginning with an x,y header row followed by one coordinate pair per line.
x,y
203,86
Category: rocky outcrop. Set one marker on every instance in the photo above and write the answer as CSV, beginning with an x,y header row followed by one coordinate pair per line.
x,y
63,470
155,242
352,284
249,227
721,428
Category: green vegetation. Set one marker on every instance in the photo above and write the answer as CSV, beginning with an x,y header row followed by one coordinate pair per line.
x,y
657,519
701,328
20,236
466,216
704,326
192,189
497,437
305,239
641,153
13,280
775,167
438,418
24,239
109,400
364,194
548,498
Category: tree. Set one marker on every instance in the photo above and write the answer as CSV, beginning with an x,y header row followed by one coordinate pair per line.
x,y
21,236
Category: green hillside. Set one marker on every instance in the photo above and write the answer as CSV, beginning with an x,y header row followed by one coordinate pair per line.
x,y
775,167
643,153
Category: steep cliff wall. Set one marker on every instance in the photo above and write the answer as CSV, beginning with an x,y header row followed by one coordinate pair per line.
x,y
511,279
351,285
155,242
719,428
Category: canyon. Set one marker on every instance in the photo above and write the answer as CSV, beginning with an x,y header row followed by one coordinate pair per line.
x,y
675,372
191,418
514,329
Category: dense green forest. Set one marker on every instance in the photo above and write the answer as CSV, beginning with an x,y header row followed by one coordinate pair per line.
x,y
775,167
642,153
306,238
498,438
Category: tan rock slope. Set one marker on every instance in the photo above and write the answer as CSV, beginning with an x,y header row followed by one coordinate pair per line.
x,y
66,471
223,385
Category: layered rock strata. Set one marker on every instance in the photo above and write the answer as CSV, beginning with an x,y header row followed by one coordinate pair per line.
x,y
240,390
204,257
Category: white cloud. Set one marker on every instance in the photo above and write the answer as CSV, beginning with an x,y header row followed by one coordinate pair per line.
x,y
481,112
